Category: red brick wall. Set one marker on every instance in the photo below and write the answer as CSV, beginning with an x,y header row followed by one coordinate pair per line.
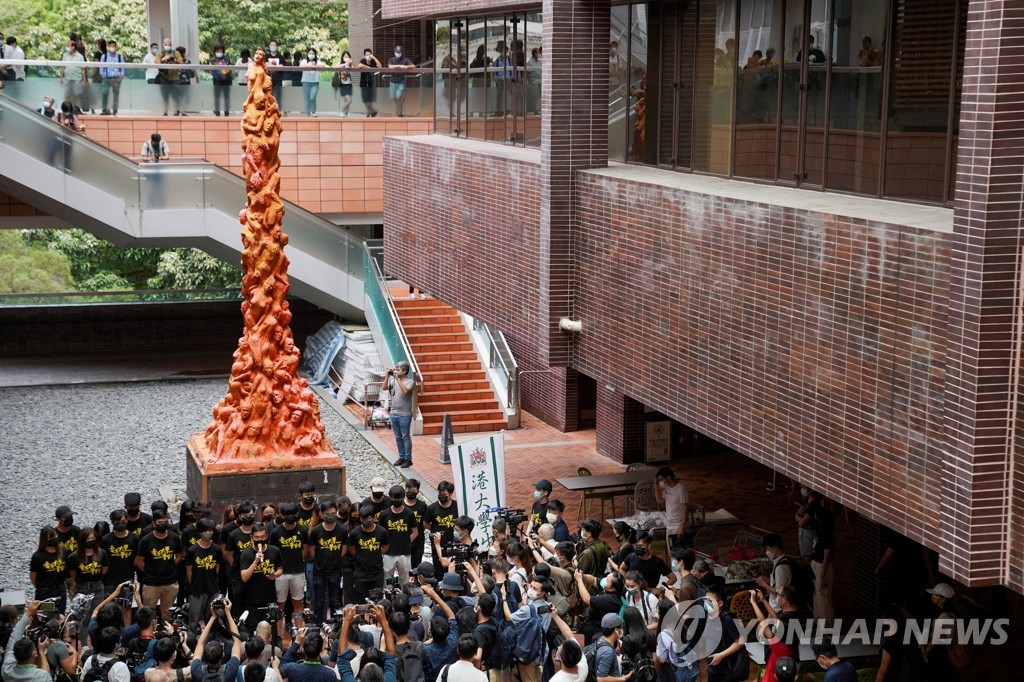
x,y
813,343
397,9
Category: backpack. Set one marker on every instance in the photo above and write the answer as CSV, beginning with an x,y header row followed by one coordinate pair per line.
x,y
531,637
139,658
465,619
802,581
737,666
214,675
410,662
643,668
590,653
98,673
505,646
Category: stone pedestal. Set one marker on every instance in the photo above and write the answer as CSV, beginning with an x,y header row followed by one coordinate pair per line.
x,y
271,479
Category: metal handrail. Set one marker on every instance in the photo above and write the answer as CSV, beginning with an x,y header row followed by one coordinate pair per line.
x,y
373,267
57,63
500,357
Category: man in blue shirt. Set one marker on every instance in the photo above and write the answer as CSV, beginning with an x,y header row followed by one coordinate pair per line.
x,y
606,661
213,652
310,668
112,76
442,649
835,670
554,516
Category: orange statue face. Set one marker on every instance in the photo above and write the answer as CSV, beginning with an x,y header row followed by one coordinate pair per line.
x,y
277,397
260,56
296,417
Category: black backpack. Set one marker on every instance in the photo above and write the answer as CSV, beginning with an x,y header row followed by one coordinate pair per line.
x,y
98,673
643,668
802,580
212,674
465,619
590,653
410,662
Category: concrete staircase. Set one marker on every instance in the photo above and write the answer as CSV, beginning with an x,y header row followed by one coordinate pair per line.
x,y
455,381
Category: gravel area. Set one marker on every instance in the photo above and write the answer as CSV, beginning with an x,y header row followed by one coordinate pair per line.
x,y
86,445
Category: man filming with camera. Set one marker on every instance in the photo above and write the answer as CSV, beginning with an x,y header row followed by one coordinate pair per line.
x,y
402,390
461,548
261,565
25,659
212,660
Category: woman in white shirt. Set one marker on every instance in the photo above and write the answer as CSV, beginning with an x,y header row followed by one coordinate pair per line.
x,y
310,80
637,596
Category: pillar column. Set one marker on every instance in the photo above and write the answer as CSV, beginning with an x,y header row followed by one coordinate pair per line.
x,y
620,426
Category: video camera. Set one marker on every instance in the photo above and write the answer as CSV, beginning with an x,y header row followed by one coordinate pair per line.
x,y
177,616
511,515
271,612
125,597
218,606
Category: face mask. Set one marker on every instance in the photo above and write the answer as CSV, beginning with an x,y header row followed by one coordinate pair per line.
x,y
378,496
410,496
675,567
552,518
584,535
112,50
344,517
492,551
246,520
161,527
154,50
537,494
348,60
68,520
641,551
532,594
632,590
132,512
662,484
273,49
770,554
52,542
47,105
309,498
218,55
120,527
604,583
90,544
291,519
330,518
396,501
311,57
442,497
167,48
268,518
367,523
398,53
803,492
823,666
206,535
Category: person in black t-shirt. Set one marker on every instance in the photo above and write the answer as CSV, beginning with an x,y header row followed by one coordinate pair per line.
x,y
608,600
120,546
238,541
48,568
402,530
309,517
440,518
731,641
137,519
419,510
367,543
366,85
293,540
541,496
159,554
261,565
377,500
67,531
651,567
202,564
327,545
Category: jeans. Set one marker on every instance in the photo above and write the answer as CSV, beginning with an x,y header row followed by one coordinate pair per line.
x,y
111,85
401,425
326,592
397,91
309,91
221,97
309,583
683,674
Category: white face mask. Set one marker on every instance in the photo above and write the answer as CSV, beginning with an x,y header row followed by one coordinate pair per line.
x,y
154,50
532,594
167,48
552,518
537,494
112,50
770,554
218,54
273,48
398,53
311,57
348,60
47,105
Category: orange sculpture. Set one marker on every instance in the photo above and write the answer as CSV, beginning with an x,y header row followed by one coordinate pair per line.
x,y
269,416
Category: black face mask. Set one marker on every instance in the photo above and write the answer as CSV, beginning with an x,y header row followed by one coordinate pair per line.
x,y
411,496
90,544
344,517
330,518
442,497
120,527
208,535
396,501
641,551
309,499
68,520
161,527
268,518
133,512
367,523
52,542
246,520
291,519
378,496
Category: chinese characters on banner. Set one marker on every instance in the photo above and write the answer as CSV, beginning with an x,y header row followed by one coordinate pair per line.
x,y
478,470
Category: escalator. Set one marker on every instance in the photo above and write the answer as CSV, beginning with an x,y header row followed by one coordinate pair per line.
x,y
166,205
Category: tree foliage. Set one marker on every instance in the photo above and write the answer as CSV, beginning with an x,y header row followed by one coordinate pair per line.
x,y
42,26
29,269
194,269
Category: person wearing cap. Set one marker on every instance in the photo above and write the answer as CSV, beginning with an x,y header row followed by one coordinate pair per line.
x,y
377,500
159,554
784,669
541,497
943,618
670,493
606,661
396,81
137,519
419,612
367,545
402,530
827,657
67,531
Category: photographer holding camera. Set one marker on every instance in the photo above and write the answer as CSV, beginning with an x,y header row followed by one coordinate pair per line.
x,y
25,660
402,388
212,661
460,548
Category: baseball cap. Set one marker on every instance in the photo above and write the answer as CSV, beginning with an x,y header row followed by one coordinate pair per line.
x,y
377,485
943,590
543,484
63,511
611,620
426,569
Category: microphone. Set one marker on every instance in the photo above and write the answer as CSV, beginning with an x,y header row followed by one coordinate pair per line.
x,y
244,617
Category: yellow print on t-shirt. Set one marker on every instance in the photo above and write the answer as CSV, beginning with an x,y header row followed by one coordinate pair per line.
x,y
446,521
290,542
305,522
71,544
329,544
398,525
266,567
93,568
121,551
244,545
164,553
369,544
55,566
207,563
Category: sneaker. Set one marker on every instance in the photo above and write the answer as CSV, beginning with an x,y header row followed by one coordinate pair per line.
x,y
105,112
400,462
406,463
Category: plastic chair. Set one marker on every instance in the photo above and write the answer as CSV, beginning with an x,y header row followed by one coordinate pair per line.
x,y
592,496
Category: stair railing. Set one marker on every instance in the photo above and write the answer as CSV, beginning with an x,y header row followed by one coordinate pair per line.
x,y
382,317
500,359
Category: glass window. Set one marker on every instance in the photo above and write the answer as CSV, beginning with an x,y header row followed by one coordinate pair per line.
x,y
715,82
618,84
757,90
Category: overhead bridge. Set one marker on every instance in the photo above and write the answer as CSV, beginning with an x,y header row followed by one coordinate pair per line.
x,y
183,204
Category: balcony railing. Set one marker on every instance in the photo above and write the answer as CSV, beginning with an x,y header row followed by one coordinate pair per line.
x,y
138,96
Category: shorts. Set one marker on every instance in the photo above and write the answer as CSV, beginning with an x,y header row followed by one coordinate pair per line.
x,y
346,90
293,583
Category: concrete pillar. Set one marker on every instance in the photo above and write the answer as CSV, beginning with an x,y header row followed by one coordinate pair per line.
x,y
177,20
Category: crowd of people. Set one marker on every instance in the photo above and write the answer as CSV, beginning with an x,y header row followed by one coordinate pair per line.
x,y
392,588
96,89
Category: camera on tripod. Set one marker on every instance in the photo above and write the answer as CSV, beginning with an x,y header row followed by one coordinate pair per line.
x,y
512,516
177,616
271,612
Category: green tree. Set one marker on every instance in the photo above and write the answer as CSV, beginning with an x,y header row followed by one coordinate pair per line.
x,y
42,27
194,269
29,269
97,264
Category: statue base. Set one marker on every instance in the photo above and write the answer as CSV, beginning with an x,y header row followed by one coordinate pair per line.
x,y
273,479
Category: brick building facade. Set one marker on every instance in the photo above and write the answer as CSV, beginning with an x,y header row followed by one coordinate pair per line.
x,y
868,347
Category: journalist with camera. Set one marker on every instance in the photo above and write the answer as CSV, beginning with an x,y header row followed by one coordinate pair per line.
x,y
25,658
454,553
402,389
212,663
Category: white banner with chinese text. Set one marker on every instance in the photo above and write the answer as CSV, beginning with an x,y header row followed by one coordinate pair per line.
x,y
478,470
